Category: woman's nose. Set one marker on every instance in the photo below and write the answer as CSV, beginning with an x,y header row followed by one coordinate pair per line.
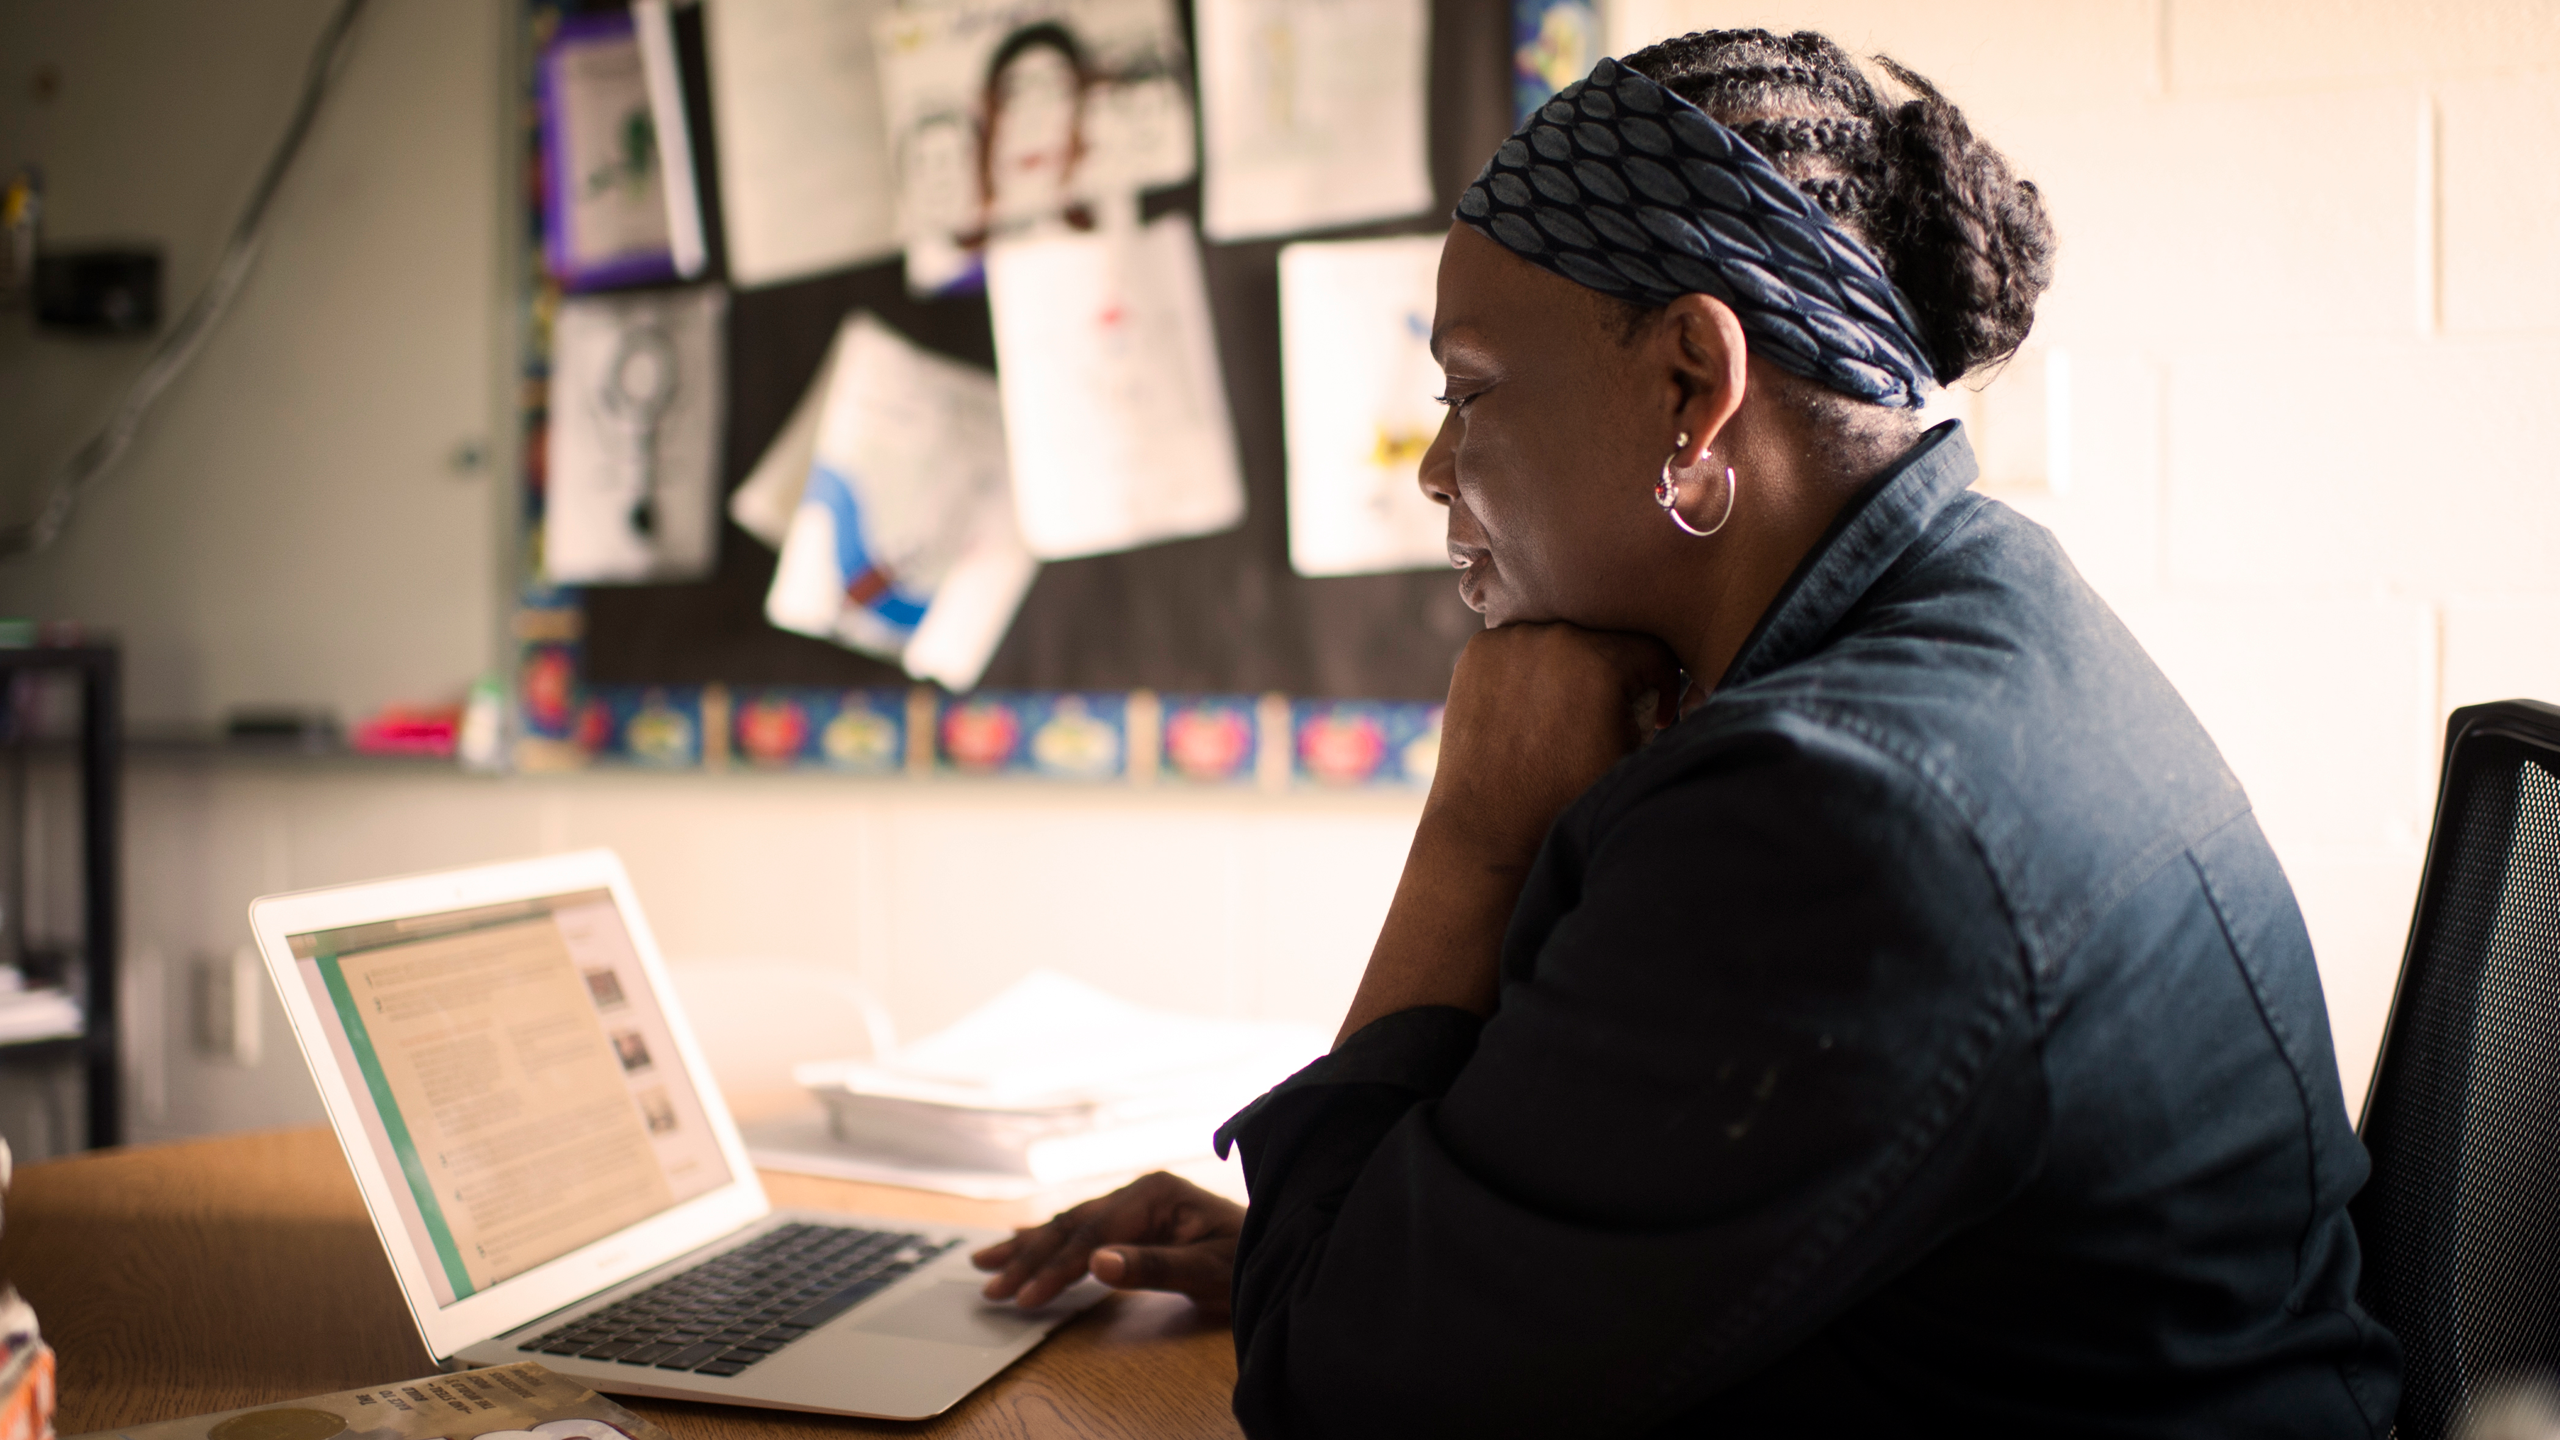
x,y
1438,477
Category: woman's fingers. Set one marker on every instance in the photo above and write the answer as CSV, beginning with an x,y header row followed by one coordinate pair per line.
x,y
1158,1210
1204,1271
1017,1260
1062,1267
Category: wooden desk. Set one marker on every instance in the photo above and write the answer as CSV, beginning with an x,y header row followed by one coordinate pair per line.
x,y
181,1279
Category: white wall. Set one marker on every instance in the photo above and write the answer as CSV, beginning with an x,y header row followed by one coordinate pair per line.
x,y
2309,292
292,527
933,894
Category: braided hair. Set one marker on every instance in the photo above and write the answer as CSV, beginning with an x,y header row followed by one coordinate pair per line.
x,y
1965,240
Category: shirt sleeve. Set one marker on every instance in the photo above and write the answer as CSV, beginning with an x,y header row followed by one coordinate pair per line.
x,y
1764,1040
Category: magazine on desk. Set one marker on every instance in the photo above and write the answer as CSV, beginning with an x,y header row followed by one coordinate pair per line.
x,y
504,1402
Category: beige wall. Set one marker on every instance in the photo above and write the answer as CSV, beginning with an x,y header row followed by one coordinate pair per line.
x,y
292,527
932,894
2309,303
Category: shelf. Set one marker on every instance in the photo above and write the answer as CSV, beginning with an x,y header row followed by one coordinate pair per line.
x,y
43,1047
211,747
79,724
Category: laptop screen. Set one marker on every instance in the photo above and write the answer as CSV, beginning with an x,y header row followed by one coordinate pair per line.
x,y
514,1067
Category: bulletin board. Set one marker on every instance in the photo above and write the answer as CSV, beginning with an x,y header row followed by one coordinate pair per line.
x,y
1222,613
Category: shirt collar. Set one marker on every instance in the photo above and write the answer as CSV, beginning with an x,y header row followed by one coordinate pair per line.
x,y
1871,532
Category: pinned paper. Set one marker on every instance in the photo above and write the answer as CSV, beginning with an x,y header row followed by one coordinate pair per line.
x,y
1357,387
1553,44
1060,736
860,730
605,202
653,25
765,501
1313,113
634,438
647,726
904,544
1367,742
1112,392
804,160
1210,738
1005,116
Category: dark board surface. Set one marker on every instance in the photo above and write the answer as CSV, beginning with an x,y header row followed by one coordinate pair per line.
x,y
1220,613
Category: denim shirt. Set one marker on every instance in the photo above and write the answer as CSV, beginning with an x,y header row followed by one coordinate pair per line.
x,y
1919,1036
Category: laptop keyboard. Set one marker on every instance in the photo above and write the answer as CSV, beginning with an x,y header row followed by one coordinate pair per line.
x,y
738,1307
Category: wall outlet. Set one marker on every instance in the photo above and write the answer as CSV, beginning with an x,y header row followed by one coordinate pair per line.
x,y
99,292
143,1010
230,993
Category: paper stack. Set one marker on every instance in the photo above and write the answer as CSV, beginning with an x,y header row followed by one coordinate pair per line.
x,y
1054,1080
33,1013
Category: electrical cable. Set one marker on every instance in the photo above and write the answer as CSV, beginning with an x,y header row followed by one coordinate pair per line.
x,y
179,348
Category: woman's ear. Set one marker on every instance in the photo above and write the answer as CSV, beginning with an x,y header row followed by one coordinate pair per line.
x,y
1700,342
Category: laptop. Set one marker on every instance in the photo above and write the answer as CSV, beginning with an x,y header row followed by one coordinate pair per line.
x,y
552,1170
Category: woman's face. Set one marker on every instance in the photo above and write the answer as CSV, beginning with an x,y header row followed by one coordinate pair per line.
x,y
1549,451
1031,150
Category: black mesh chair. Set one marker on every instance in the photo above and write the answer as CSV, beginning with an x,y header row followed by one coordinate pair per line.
x,y
2460,1223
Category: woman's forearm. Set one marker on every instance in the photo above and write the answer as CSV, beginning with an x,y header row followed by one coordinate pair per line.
x,y
1536,714
1442,940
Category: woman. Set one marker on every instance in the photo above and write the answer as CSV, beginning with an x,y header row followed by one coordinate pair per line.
x,y
1918,1034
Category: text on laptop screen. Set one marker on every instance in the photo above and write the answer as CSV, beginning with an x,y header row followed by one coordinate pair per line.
x,y
515,1069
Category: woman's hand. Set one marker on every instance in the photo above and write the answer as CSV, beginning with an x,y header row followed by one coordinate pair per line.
x,y
1158,1232
1536,714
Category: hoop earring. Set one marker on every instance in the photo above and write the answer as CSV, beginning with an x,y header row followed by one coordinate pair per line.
x,y
1666,493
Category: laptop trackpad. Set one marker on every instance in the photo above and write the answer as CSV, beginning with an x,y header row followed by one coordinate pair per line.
x,y
954,1313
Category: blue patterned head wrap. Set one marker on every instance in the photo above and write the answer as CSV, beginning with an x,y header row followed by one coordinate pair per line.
x,y
1620,185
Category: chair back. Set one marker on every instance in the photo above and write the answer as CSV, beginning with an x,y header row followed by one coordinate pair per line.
x,y
2460,1224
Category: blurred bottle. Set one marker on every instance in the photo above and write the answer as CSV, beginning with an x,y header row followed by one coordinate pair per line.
x,y
26,1366
482,742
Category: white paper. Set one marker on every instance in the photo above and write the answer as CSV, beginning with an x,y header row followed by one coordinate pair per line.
x,y
995,128
975,604
1056,1080
635,415
1313,112
654,27
612,186
803,1145
1113,399
765,501
804,163
904,544
1051,1042
1357,385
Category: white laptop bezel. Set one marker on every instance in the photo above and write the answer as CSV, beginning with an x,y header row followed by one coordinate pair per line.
x,y
584,1271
